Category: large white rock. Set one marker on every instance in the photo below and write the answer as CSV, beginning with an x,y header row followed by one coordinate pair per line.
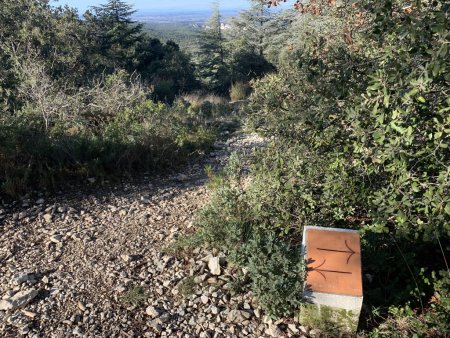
x,y
214,266
274,331
152,312
20,299
238,316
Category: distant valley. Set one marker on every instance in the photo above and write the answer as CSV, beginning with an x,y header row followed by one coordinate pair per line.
x,y
191,17
179,26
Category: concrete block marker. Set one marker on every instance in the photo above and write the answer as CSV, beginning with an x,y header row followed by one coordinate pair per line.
x,y
334,283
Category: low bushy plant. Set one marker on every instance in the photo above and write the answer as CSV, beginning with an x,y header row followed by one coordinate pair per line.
x,y
114,130
187,287
404,321
277,275
263,242
135,296
359,119
239,91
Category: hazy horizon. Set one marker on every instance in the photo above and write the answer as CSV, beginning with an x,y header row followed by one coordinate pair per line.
x,y
159,6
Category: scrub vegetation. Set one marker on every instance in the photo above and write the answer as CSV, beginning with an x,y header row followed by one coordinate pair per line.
x,y
352,97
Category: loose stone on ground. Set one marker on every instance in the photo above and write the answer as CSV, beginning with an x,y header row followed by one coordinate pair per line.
x,y
91,263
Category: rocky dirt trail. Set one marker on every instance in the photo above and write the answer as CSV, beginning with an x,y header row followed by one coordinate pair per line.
x,y
92,265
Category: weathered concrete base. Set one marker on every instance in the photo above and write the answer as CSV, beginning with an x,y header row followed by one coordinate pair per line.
x,y
329,319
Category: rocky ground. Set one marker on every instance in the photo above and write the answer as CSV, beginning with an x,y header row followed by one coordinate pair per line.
x,y
92,264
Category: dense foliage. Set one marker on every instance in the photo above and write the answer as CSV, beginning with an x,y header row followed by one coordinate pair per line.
x,y
78,97
73,51
359,117
353,96
102,132
240,51
78,93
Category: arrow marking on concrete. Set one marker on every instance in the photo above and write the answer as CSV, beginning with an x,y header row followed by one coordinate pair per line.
x,y
350,251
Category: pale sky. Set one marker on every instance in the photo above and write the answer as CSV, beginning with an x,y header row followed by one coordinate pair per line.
x,y
141,5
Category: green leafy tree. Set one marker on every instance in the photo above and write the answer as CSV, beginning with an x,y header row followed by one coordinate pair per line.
x,y
246,65
167,68
381,110
359,117
278,30
53,35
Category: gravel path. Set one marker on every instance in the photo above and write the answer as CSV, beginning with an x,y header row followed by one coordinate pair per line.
x,y
92,265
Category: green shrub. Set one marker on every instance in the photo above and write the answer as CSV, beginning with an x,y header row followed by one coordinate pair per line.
x,y
187,286
248,63
239,91
277,275
236,220
114,131
135,296
165,91
206,110
361,131
433,322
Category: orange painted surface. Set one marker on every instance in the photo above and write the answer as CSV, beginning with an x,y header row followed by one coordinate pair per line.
x,y
334,262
